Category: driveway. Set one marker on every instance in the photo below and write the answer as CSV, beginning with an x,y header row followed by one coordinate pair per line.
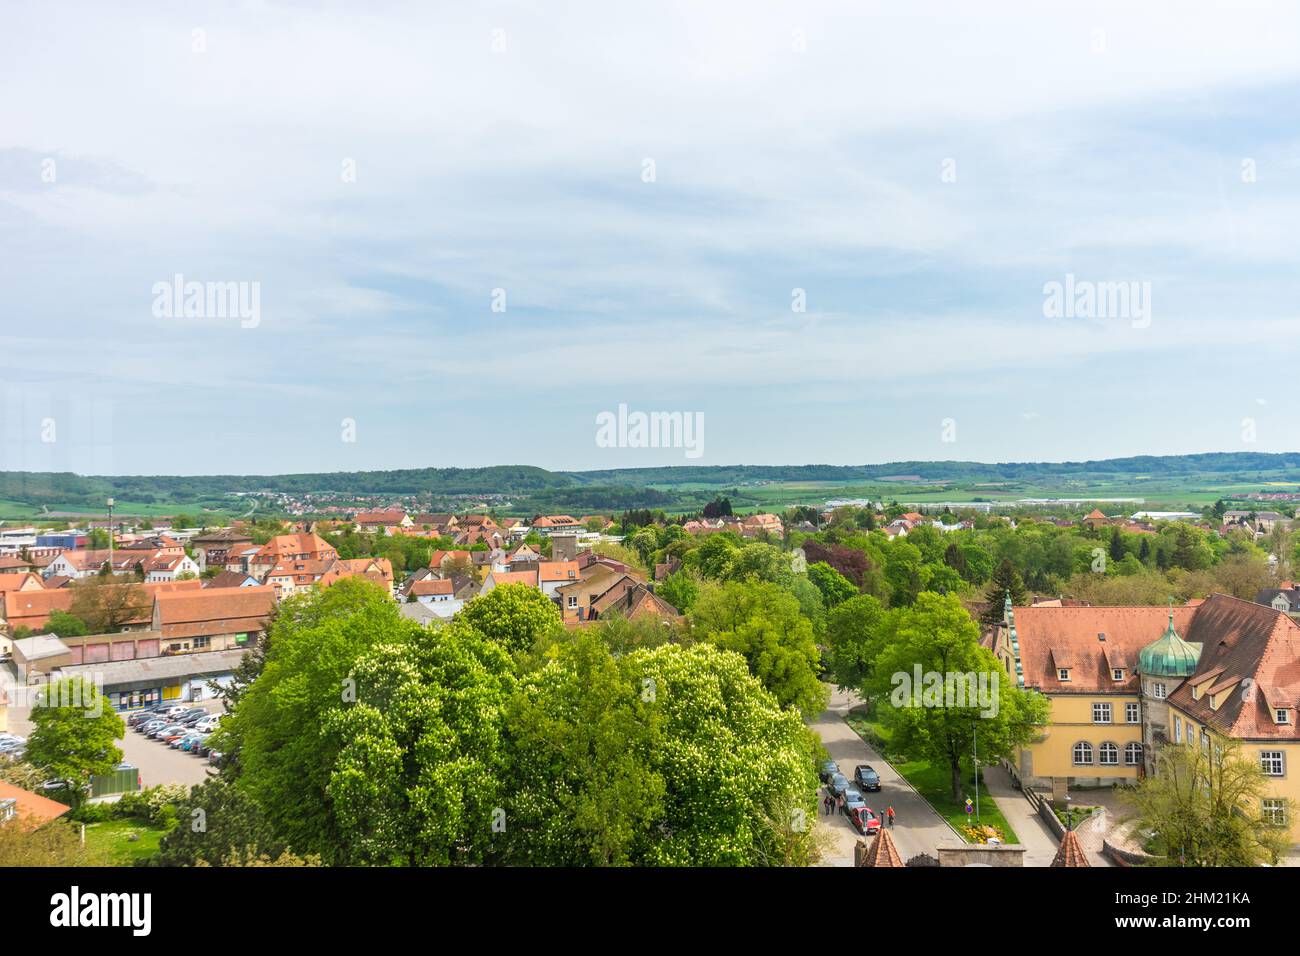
x,y
917,828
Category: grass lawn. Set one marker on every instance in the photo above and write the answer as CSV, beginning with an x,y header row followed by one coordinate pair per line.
x,y
110,839
933,783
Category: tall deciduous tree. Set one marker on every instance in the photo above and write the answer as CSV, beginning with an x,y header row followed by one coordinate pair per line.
x,y
964,697
106,606
764,623
515,616
74,733
417,763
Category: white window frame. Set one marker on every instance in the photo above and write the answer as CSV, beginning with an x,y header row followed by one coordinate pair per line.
x,y
1158,690
1273,810
1108,749
1074,754
1268,759
1103,708
1063,674
1132,712
1132,754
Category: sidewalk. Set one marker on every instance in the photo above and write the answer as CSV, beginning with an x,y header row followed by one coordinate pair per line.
x,y
1035,836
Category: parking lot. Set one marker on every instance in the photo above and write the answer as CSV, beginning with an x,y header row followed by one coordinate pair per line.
x,y
159,763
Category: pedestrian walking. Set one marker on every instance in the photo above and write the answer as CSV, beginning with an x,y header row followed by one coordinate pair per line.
x,y
889,815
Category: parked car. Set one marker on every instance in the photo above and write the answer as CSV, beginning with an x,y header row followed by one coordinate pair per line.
x,y
216,758
866,778
837,784
853,798
204,749
208,723
194,713
173,710
170,731
864,820
190,742
827,770
149,726
141,717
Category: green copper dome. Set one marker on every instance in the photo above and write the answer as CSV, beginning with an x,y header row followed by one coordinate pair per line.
x,y
1170,656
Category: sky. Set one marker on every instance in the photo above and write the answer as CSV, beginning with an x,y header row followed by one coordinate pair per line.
x,y
828,232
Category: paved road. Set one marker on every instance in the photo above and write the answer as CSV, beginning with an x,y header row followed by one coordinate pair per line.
x,y
917,828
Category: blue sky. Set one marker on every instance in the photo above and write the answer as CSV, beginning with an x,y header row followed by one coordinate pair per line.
x,y
795,146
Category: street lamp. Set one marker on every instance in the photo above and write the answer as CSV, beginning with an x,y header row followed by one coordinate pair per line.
x,y
110,534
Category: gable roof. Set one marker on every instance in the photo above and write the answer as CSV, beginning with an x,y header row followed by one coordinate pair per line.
x,y
1072,637
1242,641
32,810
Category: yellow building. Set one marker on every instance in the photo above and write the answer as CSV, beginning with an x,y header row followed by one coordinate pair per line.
x,y
1122,681
1245,688
1085,660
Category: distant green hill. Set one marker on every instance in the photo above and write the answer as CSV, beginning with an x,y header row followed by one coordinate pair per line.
x,y
1182,478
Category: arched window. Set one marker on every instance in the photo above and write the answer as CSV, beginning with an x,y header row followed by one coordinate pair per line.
x,y
1108,755
1083,753
1133,753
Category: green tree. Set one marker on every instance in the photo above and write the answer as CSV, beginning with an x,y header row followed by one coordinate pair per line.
x,y
74,733
65,625
516,616
835,587
855,631
277,725
215,820
1006,580
417,763
903,573
973,703
587,746
764,623
739,770
680,590
1203,805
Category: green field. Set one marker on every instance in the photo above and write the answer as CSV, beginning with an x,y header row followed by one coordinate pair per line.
x,y
1168,483
112,840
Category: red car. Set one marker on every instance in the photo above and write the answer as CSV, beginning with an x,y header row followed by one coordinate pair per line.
x,y
864,820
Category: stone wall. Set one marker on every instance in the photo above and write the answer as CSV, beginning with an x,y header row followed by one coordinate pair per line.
x,y
982,854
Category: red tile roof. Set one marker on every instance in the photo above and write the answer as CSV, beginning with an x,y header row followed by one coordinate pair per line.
x,y
32,810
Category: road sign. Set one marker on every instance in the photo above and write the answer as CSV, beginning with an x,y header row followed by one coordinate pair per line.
x,y
970,807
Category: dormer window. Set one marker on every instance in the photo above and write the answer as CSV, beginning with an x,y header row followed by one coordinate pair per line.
x,y
1117,673
1196,692
1063,673
1281,716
